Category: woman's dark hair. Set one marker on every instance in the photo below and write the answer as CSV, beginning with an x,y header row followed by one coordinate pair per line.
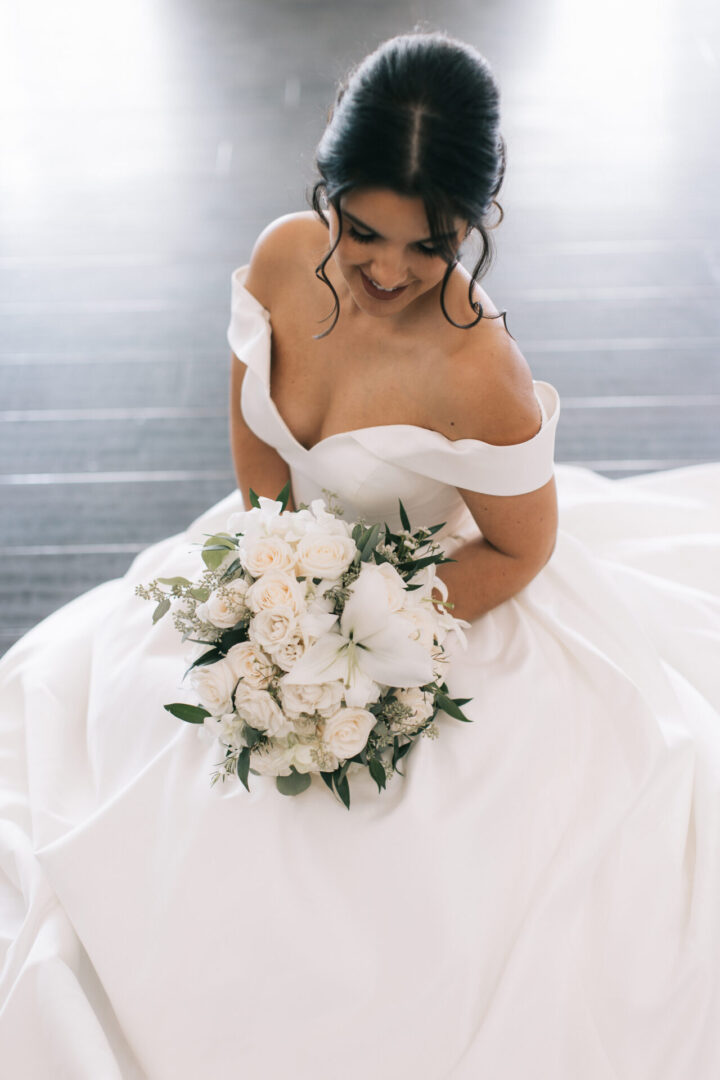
x,y
420,115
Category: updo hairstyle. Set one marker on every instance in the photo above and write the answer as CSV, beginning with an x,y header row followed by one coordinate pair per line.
x,y
420,115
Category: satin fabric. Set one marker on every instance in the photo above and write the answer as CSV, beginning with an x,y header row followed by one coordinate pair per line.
x,y
538,896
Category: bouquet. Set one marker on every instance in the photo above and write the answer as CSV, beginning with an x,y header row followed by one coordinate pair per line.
x,y
322,646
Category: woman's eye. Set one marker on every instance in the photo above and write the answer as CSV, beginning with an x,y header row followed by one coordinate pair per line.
x,y
363,237
367,238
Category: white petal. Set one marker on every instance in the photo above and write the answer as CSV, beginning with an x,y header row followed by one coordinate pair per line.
x,y
393,659
323,662
362,690
367,609
318,623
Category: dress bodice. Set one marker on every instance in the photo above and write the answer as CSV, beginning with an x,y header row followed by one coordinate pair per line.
x,y
370,468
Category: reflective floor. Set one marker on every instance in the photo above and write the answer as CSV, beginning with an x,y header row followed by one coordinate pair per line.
x,y
140,155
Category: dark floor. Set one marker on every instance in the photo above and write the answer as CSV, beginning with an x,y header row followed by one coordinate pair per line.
x,y
141,155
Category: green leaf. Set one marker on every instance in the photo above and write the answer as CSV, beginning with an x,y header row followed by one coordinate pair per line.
x,y
200,593
243,766
417,564
208,657
450,706
371,542
192,714
254,500
284,495
233,636
161,609
174,581
403,517
234,565
251,734
377,772
293,784
327,777
342,786
215,549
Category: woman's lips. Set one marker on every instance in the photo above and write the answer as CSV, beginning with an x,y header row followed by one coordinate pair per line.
x,y
380,294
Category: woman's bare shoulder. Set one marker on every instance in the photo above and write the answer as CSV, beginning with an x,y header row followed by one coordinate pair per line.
x,y
285,247
488,390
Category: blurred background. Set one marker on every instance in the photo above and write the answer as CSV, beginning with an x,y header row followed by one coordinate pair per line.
x,y
144,145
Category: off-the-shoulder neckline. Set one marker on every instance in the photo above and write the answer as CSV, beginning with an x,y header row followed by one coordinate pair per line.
x,y
459,444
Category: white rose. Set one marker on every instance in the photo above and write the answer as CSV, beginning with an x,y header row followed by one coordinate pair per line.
x,y
276,589
323,698
272,627
346,733
260,711
250,664
214,685
324,555
225,605
266,553
420,701
272,760
288,654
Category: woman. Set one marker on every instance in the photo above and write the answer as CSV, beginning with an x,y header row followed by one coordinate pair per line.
x,y
538,895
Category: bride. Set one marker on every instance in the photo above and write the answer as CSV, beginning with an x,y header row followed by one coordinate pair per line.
x,y
539,894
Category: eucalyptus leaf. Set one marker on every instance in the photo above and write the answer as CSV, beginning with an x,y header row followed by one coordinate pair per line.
x,y
174,581
293,784
232,568
200,593
215,550
192,714
162,608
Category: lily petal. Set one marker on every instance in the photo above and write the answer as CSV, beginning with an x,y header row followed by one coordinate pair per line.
x,y
392,658
366,610
324,661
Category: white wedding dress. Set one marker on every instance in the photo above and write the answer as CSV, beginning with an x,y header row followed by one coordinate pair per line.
x,y
538,898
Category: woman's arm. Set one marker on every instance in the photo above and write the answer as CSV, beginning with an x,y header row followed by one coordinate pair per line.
x,y
257,465
495,401
519,534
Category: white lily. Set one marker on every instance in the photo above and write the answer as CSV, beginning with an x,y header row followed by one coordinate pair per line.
x,y
369,647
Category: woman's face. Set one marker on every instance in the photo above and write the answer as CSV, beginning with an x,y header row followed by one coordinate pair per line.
x,y
386,253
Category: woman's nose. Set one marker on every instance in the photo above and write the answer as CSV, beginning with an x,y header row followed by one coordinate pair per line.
x,y
388,271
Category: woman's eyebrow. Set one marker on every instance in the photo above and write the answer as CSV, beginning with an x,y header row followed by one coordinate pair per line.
x,y
427,240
